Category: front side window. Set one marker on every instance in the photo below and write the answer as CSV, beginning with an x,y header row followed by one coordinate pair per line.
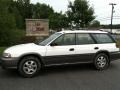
x,y
84,38
102,38
49,39
66,39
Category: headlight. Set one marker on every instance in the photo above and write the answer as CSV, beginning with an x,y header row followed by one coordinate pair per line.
x,y
6,55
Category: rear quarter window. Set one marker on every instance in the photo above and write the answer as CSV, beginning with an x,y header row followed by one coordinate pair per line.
x,y
103,38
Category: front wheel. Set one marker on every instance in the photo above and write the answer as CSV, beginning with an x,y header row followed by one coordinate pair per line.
x,y
29,66
101,61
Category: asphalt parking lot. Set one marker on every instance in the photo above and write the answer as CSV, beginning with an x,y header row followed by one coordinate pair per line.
x,y
75,77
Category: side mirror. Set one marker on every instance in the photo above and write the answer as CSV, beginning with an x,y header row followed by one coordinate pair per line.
x,y
53,44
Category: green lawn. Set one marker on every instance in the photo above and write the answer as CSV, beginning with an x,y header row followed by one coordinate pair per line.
x,y
2,49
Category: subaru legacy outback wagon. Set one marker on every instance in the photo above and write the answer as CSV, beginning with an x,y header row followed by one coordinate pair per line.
x,y
64,47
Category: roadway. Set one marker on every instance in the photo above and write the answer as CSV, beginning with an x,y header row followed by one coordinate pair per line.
x,y
73,77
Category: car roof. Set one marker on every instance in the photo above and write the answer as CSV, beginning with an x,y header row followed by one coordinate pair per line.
x,y
82,31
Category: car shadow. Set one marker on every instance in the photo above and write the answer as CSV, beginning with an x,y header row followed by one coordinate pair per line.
x,y
68,68
82,68
8,73
56,70
50,70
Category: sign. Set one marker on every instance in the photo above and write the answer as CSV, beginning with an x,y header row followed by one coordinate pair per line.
x,y
37,27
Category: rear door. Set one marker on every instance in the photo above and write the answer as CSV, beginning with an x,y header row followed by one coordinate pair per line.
x,y
85,47
106,43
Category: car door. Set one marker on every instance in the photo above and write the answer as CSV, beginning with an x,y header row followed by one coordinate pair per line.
x,y
61,50
107,43
85,47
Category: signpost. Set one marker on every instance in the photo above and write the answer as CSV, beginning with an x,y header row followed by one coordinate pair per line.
x,y
37,27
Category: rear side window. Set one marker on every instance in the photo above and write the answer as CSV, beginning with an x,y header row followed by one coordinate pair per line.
x,y
102,38
84,38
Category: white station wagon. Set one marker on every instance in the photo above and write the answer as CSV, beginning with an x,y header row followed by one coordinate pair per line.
x,y
65,47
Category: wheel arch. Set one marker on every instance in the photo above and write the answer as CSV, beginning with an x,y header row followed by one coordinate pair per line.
x,y
31,54
103,51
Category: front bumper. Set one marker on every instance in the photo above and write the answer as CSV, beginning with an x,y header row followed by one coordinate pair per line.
x,y
9,63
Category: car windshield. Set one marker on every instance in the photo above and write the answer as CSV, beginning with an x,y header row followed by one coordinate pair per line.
x,y
49,39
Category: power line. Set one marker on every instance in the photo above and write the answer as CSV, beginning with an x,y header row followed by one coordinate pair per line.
x,y
108,17
103,19
116,16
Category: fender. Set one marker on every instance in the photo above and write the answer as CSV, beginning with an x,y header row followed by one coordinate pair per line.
x,y
34,54
103,51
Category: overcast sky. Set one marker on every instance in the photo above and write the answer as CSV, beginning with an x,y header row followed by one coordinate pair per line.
x,y
101,7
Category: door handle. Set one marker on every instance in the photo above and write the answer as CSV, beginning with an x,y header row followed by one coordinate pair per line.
x,y
72,49
96,48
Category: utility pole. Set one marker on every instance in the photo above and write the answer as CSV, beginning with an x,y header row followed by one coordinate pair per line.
x,y
112,4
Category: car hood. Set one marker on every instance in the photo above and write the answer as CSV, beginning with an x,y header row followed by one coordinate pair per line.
x,y
21,46
24,48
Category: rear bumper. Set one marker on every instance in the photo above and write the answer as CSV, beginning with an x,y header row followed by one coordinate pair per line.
x,y
9,63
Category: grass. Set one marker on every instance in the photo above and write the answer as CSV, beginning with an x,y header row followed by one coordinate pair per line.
x,y
2,49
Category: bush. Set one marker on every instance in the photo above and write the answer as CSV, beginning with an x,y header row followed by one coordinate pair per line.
x,y
28,39
11,38
2,49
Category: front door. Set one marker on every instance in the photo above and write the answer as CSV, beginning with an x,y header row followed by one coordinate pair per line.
x,y
61,50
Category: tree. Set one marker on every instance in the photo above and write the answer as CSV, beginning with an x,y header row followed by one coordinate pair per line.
x,y
95,24
19,20
58,21
80,13
7,23
42,11
24,7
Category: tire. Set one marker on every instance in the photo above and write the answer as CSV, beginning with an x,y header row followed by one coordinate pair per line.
x,y
101,61
29,66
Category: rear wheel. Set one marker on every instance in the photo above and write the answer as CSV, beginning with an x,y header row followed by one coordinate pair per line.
x,y
29,66
101,61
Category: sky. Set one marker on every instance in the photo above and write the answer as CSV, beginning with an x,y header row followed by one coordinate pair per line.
x,y
101,7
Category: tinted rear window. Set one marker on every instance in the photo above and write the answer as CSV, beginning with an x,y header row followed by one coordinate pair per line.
x,y
84,38
102,38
